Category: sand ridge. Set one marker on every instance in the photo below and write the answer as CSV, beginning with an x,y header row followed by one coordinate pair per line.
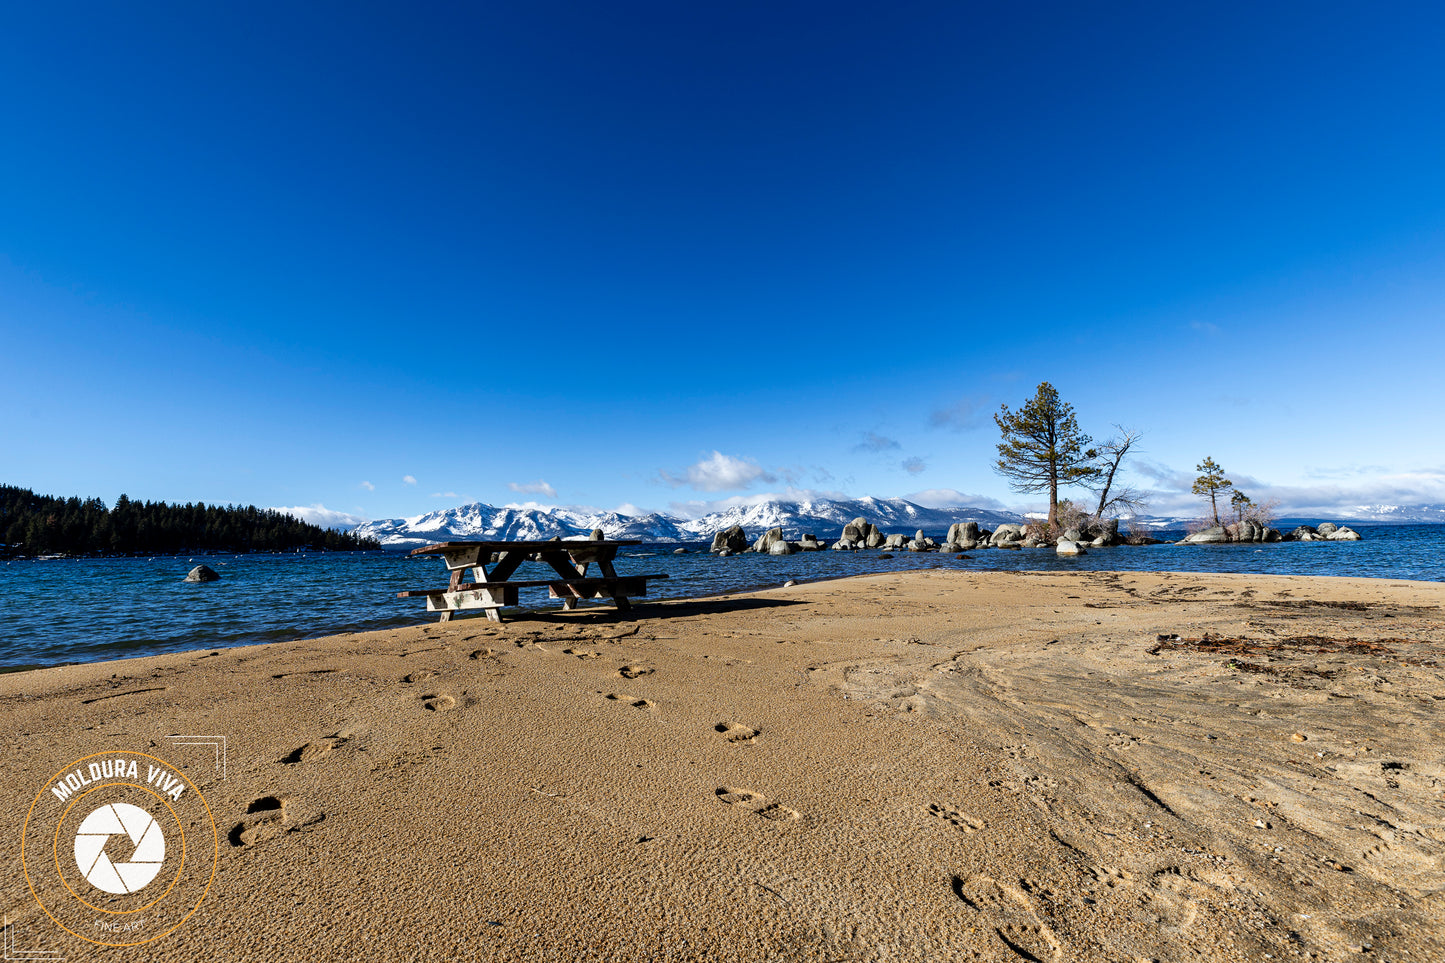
x,y
928,765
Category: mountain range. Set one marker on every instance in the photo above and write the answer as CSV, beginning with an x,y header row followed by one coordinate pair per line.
x,y
822,517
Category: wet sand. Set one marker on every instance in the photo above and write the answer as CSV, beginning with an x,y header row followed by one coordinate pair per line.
x,y
922,766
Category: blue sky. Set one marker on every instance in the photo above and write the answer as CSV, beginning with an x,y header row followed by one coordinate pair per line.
x,y
376,260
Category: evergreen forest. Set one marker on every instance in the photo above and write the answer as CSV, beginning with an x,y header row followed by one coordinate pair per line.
x,y
33,525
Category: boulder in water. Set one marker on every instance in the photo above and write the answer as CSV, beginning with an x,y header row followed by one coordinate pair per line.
x,y
203,573
732,541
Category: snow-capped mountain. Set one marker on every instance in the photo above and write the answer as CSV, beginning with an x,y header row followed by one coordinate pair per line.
x,y
822,517
825,518
1395,514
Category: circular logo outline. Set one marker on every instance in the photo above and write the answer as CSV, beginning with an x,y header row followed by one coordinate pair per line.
x,y
215,841
61,823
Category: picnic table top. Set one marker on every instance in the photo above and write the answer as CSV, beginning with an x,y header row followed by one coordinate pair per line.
x,y
534,546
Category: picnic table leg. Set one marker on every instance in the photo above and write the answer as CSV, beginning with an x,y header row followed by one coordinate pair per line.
x,y
452,584
623,606
564,566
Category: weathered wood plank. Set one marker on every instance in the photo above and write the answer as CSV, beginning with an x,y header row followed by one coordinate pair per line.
x,y
486,598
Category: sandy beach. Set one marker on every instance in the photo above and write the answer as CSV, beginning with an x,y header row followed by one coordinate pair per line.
x,y
922,766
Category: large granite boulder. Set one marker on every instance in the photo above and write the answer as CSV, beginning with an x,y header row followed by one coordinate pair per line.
x,y
1072,535
1006,533
733,540
1069,546
843,545
1327,529
764,544
782,547
1342,535
961,532
202,573
856,531
873,538
809,543
894,542
1107,530
1209,536
921,543
598,535
1304,533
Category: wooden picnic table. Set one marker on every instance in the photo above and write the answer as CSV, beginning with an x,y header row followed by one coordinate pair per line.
x,y
491,590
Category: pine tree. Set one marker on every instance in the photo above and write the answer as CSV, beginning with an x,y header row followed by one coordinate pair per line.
x,y
1043,448
1210,484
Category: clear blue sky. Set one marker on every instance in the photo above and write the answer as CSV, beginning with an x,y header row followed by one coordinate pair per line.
x,y
664,255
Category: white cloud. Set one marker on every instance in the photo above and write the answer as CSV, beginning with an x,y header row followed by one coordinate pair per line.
x,y
530,506
445,495
368,486
408,479
319,514
953,498
914,465
696,508
719,473
1172,496
538,487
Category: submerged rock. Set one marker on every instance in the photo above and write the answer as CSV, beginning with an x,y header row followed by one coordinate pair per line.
x,y
203,573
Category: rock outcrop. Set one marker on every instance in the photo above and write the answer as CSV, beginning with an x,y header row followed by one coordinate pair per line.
x,y
764,544
733,540
203,573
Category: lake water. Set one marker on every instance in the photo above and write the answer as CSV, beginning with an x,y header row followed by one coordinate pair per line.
x,y
84,610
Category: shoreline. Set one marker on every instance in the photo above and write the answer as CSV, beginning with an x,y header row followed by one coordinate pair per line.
x,y
923,764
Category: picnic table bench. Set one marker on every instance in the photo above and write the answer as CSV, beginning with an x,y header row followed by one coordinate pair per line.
x,y
491,590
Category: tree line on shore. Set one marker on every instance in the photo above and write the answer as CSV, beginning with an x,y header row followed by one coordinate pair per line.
x,y
32,525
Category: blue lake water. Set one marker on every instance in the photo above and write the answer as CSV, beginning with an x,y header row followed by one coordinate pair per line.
x,y
84,610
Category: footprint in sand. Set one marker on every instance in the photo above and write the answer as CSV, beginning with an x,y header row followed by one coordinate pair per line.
x,y
738,734
438,703
269,817
634,671
1007,910
421,676
483,654
633,701
313,751
963,821
756,802
1111,876
1173,897
581,653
